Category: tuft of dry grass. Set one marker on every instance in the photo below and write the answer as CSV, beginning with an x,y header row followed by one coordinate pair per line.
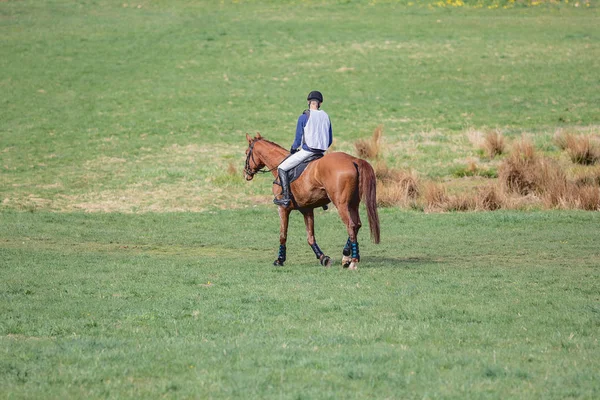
x,y
554,188
517,172
580,148
396,187
370,148
391,195
435,196
385,173
525,173
560,139
493,144
437,199
588,198
461,202
588,176
490,198
552,184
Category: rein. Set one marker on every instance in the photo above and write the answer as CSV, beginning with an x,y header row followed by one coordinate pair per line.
x,y
250,155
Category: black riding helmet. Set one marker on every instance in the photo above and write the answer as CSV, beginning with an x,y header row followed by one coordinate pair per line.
x,y
315,95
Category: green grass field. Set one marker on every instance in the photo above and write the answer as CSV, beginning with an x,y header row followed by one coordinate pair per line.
x,y
476,305
135,262
114,108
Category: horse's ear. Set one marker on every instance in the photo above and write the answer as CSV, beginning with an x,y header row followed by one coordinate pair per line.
x,y
248,138
258,135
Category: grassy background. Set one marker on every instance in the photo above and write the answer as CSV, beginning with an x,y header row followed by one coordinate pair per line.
x,y
141,108
483,305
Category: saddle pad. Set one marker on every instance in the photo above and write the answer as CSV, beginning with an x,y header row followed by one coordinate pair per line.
x,y
295,172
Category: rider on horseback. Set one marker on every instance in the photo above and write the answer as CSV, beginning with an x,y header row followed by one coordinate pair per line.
x,y
313,136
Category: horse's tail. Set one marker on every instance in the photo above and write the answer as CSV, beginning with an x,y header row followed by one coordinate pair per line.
x,y
368,194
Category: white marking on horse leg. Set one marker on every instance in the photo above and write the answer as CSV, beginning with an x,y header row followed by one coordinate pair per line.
x,y
346,260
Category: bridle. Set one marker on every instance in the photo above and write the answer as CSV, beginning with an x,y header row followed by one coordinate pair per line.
x,y
247,170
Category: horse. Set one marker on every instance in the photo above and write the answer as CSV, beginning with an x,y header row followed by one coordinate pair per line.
x,y
336,177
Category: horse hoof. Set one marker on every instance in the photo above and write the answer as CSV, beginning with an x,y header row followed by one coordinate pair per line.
x,y
278,263
353,265
326,261
346,260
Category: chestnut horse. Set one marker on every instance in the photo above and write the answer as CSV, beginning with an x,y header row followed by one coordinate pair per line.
x,y
336,177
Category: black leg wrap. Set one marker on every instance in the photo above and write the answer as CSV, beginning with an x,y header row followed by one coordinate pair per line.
x,y
317,250
280,257
347,250
326,261
355,252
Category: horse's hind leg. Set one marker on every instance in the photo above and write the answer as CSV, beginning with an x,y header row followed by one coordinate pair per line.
x,y
309,221
351,219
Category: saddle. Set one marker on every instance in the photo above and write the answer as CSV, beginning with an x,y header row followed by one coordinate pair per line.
x,y
295,172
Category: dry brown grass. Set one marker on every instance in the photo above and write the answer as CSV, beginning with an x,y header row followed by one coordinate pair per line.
x,y
391,195
437,199
526,180
370,148
552,185
435,196
490,198
526,173
517,173
396,187
588,198
461,202
385,173
493,144
580,148
560,139
588,176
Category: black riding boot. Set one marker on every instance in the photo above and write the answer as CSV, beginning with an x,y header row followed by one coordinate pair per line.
x,y
285,189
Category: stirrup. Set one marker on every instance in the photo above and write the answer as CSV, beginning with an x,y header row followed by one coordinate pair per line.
x,y
282,202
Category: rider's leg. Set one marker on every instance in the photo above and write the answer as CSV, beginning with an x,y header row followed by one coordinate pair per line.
x,y
285,189
283,170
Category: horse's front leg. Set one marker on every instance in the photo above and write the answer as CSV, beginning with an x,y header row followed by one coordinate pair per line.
x,y
351,254
309,221
346,254
284,218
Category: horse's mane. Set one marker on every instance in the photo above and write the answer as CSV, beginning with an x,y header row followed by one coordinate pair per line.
x,y
271,143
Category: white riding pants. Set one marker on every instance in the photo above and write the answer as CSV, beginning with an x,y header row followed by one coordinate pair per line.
x,y
295,159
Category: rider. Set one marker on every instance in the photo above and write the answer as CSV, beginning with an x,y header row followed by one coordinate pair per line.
x,y
313,136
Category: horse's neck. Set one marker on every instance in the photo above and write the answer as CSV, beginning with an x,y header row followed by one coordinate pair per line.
x,y
272,155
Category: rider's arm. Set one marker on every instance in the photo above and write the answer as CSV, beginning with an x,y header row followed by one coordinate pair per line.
x,y
299,132
330,135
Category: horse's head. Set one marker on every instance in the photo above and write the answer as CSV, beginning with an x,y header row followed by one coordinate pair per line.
x,y
253,160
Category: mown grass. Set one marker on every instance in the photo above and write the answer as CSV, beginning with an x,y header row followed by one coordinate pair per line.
x,y
485,305
142,108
